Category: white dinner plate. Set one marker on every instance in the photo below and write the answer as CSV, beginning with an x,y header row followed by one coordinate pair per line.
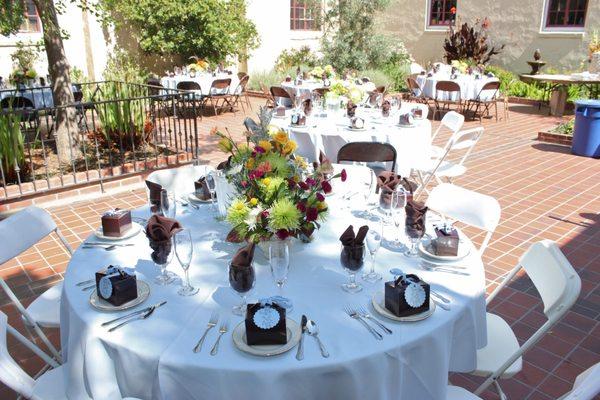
x,y
293,337
356,129
195,199
143,292
299,127
378,301
425,247
406,125
278,116
134,230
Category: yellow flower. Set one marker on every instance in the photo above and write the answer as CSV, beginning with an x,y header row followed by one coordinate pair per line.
x,y
301,162
266,181
253,201
250,163
281,137
272,130
321,205
266,145
289,147
225,145
238,205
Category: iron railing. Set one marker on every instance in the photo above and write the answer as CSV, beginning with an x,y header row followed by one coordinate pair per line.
x,y
113,129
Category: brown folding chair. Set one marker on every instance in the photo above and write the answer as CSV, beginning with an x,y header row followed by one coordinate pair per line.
x,y
415,91
368,152
270,101
452,89
319,93
278,91
219,91
240,75
190,94
239,92
484,104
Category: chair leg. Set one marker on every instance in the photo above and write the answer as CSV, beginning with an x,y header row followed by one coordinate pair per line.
x,y
500,391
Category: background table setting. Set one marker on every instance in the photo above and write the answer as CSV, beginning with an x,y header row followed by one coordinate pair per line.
x,y
470,85
204,79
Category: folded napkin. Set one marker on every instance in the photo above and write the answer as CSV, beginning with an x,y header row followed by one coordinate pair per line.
x,y
323,165
387,181
202,189
415,218
351,109
154,189
385,108
307,106
161,229
348,238
243,257
224,164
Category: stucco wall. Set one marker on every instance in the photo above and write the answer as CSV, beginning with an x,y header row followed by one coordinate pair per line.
x,y
517,23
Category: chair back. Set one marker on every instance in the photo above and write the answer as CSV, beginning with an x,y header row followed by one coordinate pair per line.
x,y
451,120
462,140
414,87
154,86
220,86
368,152
321,91
188,85
586,386
278,91
308,145
16,102
179,180
448,87
491,91
241,74
241,87
472,208
380,89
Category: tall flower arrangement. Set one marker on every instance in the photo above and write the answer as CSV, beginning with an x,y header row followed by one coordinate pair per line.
x,y
279,196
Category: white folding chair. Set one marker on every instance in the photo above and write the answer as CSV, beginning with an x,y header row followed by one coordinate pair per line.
x,y
440,168
49,386
179,180
558,285
308,146
472,208
586,386
18,233
458,393
452,121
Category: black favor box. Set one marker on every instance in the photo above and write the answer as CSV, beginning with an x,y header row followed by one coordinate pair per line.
x,y
445,244
124,287
116,224
395,301
258,336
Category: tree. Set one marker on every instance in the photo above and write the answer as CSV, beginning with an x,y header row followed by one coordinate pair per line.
x,y
209,29
11,18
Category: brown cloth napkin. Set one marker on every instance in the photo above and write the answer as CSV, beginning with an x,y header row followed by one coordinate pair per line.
x,y
224,164
307,106
387,182
351,109
159,231
385,108
323,165
154,189
243,257
415,218
348,238
202,189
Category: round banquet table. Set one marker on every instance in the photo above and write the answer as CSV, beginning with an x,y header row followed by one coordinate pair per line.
x,y
304,90
205,81
153,358
469,86
329,133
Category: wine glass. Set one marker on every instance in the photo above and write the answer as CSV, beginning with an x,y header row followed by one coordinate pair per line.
x,y
162,256
352,259
369,187
374,237
168,204
241,280
184,250
279,260
414,232
212,187
397,207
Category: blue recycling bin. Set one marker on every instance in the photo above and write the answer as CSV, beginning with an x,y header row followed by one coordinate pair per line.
x,y
586,135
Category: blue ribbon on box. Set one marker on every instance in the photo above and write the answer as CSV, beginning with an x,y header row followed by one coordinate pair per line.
x,y
398,273
281,301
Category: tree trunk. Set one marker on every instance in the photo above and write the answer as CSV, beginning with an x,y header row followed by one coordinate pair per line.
x,y
65,126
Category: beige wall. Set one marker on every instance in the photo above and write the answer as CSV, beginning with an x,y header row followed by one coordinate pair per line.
x,y
517,23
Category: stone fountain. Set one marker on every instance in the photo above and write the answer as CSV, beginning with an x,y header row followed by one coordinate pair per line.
x,y
536,64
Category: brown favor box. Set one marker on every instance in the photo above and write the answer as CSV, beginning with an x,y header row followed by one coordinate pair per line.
x,y
124,287
280,111
445,244
258,336
116,223
395,301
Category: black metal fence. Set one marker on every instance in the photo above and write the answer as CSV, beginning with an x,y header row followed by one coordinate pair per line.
x,y
112,129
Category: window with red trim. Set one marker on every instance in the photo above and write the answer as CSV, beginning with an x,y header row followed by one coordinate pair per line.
x,y
442,12
302,16
31,22
566,13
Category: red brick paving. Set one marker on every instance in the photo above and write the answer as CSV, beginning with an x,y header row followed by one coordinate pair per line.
x,y
545,193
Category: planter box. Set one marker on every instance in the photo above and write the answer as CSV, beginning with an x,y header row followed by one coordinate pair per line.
x,y
556,138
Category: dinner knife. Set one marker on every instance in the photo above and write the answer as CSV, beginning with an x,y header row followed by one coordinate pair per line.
x,y
300,352
143,310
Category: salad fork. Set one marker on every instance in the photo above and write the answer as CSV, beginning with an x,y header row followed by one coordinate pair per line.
x,y
353,314
212,322
222,331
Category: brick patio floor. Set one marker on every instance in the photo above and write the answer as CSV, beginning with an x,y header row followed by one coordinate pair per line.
x,y
545,193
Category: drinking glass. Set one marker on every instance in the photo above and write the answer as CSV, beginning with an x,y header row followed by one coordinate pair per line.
x,y
168,203
184,250
212,188
241,280
162,256
369,183
279,260
414,235
374,237
352,259
397,208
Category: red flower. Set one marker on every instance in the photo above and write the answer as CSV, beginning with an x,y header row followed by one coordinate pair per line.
x,y
301,207
311,214
265,214
311,182
291,183
344,175
453,10
320,197
259,149
282,234
244,183
326,186
303,185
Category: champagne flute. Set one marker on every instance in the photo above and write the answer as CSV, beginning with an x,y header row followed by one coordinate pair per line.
x,y
374,237
397,207
212,187
369,188
184,249
279,260
168,203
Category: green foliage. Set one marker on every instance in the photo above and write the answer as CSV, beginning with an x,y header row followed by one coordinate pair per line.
x,y
77,75
12,150
470,43
122,67
566,128
209,29
23,60
12,13
294,57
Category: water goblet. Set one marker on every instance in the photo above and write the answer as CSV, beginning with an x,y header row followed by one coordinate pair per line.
x,y
352,259
241,280
414,234
184,250
398,203
279,260
168,203
374,237
212,188
162,256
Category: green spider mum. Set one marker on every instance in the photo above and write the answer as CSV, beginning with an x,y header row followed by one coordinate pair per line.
x,y
284,215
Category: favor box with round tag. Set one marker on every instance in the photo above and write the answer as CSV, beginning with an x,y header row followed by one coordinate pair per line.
x,y
446,242
405,297
265,324
116,223
116,288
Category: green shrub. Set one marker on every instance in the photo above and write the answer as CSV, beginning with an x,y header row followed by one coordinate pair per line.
x,y
294,57
12,148
566,128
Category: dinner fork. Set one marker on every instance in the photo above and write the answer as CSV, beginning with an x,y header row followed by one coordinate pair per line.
x,y
365,314
212,322
353,314
222,331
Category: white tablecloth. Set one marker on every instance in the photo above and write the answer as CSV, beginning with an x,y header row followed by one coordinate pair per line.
x,y
469,86
153,359
41,97
205,81
328,134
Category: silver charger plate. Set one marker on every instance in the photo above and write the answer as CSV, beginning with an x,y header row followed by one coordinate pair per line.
x,y
134,230
378,301
143,292
425,247
195,199
293,337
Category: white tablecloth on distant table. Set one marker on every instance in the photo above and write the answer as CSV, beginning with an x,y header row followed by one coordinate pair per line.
x,y
205,81
469,86
328,134
153,358
41,97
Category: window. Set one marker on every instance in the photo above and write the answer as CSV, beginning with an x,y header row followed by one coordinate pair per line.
x,y
302,16
566,13
32,19
442,12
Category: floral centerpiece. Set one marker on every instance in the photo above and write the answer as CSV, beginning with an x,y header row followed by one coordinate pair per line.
x,y
461,66
278,195
199,65
318,72
345,90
